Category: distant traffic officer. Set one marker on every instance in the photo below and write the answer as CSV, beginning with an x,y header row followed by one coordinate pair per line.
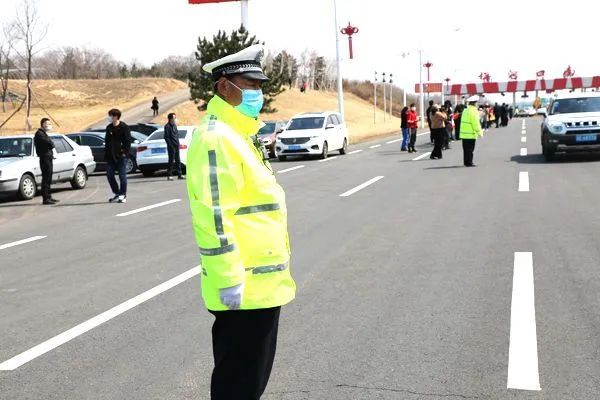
x,y
470,130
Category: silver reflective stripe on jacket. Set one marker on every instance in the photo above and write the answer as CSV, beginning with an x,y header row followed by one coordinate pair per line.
x,y
268,269
214,187
258,209
218,250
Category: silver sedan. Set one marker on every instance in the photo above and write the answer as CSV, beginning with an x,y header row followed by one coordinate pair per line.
x,y
20,171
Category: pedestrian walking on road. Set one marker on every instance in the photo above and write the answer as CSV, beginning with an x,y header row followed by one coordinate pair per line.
x,y
43,148
438,127
412,121
237,206
497,113
172,139
470,130
428,113
404,128
117,147
504,114
155,107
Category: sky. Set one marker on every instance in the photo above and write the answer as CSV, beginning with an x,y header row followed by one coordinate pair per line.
x,y
461,38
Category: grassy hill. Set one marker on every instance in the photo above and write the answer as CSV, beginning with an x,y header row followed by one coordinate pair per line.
x,y
75,104
359,113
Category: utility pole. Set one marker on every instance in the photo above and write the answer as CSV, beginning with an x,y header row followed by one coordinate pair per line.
x,y
391,94
339,69
421,90
384,98
375,99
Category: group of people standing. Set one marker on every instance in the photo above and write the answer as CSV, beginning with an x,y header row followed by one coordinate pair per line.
x,y
446,124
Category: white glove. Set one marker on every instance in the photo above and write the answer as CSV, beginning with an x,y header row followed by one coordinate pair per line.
x,y
232,297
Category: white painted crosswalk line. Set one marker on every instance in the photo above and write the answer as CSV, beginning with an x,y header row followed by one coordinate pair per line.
x,y
523,366
422,156
361,187
523,181
20,242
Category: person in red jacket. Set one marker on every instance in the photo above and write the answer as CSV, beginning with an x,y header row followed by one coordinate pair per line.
x,y
412,127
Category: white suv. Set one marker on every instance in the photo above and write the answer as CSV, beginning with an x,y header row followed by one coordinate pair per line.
x,y
572,124
312,134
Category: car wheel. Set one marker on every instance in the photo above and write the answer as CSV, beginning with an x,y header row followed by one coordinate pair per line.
x,y
325,151
27,187
282,158
130,165
79,178
548,154
344,148
147,172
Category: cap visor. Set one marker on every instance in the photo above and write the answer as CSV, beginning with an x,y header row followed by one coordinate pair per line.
x,y
257,76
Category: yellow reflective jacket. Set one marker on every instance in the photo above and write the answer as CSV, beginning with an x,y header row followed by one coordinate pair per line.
x,y
470,127
238,212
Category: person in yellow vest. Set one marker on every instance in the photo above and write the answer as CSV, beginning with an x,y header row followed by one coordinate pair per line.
x,y
470,130
239,217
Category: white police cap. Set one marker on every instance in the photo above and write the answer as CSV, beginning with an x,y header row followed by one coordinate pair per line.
x,y
473,99
246,62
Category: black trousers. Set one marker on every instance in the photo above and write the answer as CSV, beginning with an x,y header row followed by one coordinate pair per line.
x,y
46,167
173,159
468,148
413,138
438,142
244,344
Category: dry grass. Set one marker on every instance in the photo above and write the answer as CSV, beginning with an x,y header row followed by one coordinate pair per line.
x,y
76,104
359,113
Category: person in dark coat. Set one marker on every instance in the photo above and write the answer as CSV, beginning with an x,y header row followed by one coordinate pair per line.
x,y
154,107
117,149
172,139
504,114
43,147
497,113
457,115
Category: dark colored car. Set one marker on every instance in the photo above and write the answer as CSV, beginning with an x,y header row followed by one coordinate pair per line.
x,y
268,134
96,142
145,129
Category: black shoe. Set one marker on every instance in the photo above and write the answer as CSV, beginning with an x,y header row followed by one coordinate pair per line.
x,y
181,177
414,150
113,199
48,202
471,165
54,200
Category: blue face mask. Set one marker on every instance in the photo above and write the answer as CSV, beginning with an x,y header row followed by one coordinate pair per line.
x,y
252,101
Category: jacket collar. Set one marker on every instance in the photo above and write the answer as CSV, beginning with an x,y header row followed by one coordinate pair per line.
x,y
237,121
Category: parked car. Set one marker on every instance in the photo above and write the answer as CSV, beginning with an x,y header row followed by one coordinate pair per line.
x,y
313,134
145,129
572,124
526,112
20,171
267,135
152,153
96,141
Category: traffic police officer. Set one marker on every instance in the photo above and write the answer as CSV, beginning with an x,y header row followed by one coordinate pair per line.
x,y
240,224
470,130
43,148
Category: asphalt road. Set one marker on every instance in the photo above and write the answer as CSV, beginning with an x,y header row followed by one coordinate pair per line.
x,y
434,281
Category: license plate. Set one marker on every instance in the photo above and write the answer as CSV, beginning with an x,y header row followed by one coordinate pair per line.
x,y
159,150
294,147
585,138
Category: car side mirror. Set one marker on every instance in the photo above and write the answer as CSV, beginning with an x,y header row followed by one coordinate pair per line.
x,y
330,126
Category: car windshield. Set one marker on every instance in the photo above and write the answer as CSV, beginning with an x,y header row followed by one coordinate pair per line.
x,y
139,136
15,147
268,129
160,134
306,123
580,105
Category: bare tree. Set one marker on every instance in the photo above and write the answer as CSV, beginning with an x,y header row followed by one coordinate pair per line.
x,y
30,32
6,45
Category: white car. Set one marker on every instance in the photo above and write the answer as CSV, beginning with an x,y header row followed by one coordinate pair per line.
x,y
152,153
312,134
20,171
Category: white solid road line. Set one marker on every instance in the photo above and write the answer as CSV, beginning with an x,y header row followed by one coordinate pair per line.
x,y
424,133
522,354
92,323
523,151
290,169
24,241
375,146
523,139
523,181
328,159
361,187
393,141
139,210
354,152
422,156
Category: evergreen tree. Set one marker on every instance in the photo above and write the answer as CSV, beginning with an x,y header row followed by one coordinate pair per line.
x,y
221,45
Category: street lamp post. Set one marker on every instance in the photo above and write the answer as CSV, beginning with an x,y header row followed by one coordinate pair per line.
x,y
375,99
384,98
391,95
421,89
339,69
